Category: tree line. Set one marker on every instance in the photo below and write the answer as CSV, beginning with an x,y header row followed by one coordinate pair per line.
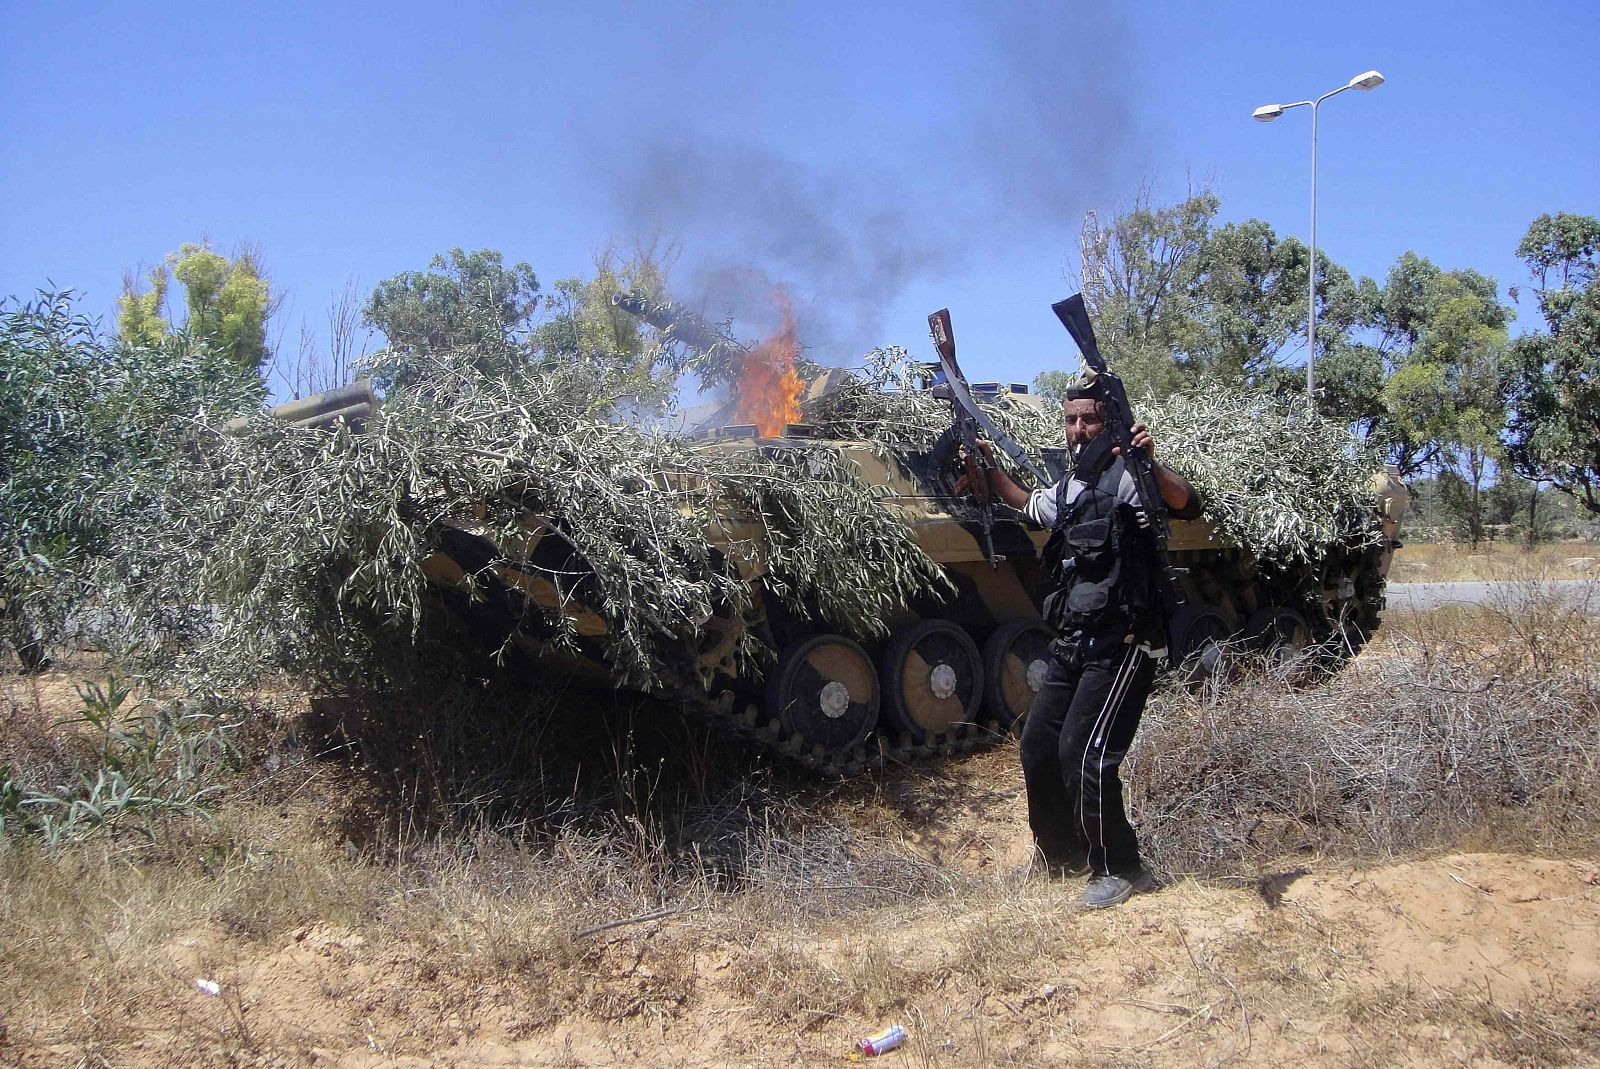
x,y
1422,364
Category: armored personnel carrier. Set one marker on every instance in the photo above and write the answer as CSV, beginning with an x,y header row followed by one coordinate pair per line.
x,y
949,672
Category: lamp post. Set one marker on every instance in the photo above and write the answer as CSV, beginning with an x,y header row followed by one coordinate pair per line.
x,y
1266,113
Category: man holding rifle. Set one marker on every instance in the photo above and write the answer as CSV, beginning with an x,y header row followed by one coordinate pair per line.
x,y
1108,605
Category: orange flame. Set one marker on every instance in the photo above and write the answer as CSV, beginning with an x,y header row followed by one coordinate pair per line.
x,y
768,389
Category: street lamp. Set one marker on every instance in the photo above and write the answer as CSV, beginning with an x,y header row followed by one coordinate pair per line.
x,y
1266,113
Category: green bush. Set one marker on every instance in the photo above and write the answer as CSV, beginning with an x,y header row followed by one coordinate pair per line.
x,y
137,768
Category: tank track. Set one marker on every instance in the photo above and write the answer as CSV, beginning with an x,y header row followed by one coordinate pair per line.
x,y
747,722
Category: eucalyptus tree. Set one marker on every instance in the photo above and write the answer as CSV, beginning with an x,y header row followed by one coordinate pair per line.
x,y
584,325
1188,301
1150,265
1419,374
1553,379
466,303
472,310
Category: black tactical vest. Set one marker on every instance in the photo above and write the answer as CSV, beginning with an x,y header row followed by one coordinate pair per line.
x,y
1101,558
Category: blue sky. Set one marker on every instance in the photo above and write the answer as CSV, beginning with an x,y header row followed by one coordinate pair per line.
x,y
881,160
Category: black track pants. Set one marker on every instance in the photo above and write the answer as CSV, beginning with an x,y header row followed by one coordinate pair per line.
x,y
1077,733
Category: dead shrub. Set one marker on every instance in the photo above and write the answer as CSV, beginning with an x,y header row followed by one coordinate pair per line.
x,y
1449,722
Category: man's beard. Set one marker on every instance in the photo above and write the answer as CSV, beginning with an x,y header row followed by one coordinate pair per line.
x,y
1092,457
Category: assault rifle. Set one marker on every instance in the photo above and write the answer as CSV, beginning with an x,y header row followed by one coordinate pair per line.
x,y
968,419
1119,425
976,460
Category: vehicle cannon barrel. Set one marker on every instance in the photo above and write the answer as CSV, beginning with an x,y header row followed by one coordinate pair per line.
x,y
677,322
721,355
352,404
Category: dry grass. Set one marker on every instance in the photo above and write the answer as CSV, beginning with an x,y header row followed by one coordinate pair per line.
x,y
385,887
1453,726
988,977
1449,562
1559,1031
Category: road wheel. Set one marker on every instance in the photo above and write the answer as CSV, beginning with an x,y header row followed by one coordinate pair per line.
x,y
1199,636
1335,649
824,692
1015,660
933,676
1280,634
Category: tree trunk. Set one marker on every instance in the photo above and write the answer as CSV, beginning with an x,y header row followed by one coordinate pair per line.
x,y
1475,515
1533,512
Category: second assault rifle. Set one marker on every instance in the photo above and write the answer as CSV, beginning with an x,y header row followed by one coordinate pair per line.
x,y
1119,426
968,419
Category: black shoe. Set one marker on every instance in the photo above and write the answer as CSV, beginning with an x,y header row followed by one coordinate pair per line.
x,y
1106,891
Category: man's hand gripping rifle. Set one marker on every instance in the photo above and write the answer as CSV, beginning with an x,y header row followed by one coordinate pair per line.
x,y
1119,425
969,419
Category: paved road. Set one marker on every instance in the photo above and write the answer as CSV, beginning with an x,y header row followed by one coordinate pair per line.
x,y
1502,594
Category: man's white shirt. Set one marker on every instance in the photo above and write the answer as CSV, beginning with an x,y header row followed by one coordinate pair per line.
x,y
1041,506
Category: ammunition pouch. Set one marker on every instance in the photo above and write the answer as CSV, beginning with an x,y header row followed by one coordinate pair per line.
x,y
1102,562
1094,545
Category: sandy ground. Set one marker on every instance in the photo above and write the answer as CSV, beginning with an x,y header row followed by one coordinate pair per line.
x,y
1472,959
1463,959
